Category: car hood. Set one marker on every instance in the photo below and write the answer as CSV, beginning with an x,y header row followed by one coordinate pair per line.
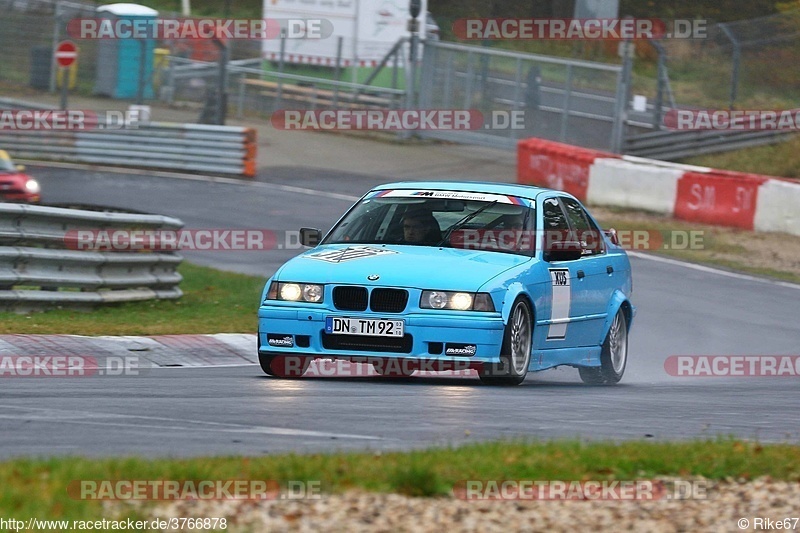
x,y
423,267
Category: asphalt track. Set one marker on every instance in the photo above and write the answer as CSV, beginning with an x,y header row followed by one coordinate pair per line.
x,y
682,310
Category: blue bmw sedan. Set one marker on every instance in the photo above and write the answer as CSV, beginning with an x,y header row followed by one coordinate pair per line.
x,y
504,279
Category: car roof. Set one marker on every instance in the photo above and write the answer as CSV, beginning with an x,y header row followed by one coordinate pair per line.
x,y
492,187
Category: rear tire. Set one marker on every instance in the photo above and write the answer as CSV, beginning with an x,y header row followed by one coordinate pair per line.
x,y
613,355
515,355
284,366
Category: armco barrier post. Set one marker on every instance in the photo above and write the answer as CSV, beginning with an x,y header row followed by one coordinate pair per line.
x,y
250,153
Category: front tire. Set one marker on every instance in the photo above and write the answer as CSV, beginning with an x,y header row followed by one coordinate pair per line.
x,y
515,355
613,356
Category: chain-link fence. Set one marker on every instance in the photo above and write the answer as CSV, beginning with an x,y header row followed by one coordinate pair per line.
x,y
572,101
31,29
748,64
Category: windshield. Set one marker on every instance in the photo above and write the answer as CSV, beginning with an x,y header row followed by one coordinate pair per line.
x,y
490,222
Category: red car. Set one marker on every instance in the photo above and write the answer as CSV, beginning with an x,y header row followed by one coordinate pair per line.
x,y
16,186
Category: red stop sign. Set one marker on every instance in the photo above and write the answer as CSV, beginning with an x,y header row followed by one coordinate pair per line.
x,y
66,53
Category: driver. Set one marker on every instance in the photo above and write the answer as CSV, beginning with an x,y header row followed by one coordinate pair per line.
x,y
420,227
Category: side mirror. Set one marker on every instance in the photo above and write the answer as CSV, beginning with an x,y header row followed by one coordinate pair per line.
x,y
563,251
310,237
20,168
612,236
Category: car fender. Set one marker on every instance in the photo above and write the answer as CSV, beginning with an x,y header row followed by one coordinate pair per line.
x,y
618,299
512,292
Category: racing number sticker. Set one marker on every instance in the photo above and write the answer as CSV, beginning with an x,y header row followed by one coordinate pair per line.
x,y
559,309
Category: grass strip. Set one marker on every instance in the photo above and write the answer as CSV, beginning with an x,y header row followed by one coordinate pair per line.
x,y
37,487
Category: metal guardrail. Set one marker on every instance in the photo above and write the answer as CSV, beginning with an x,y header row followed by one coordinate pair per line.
x,y
156,145
192,147
37,270
671,145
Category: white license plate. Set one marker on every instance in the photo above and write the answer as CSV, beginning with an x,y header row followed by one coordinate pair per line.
x,y
375,327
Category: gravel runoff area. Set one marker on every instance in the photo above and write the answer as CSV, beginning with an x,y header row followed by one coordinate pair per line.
x,y
725,507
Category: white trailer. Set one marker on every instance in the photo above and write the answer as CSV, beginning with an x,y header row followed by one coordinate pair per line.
x,y
368,28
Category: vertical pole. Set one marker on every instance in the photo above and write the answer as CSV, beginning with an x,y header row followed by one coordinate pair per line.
x,y
142,62
737,57
448,77
517,97
468,88
736,60
279,93
222,83
56,38
621,105
64,85
337,74
411,82
171,76
661,75
412,72
242,88
565,111
396,59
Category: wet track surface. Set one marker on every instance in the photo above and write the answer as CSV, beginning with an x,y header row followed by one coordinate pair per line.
x,y
172,411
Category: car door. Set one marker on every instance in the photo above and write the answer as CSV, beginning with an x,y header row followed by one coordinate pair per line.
x,y
554,327
594,276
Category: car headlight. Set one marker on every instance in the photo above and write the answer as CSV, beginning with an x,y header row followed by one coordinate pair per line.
x,y
458,301
32,186
296,292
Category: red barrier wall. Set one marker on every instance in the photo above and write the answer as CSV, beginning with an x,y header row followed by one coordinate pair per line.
x,y
556,165
719,197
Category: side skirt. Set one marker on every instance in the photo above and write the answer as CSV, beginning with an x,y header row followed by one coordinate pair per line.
x,y
582,356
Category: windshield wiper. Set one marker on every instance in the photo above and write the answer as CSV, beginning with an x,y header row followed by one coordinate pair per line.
x,y
463,221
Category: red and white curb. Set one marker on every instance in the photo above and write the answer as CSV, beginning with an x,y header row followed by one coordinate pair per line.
x,y
222,349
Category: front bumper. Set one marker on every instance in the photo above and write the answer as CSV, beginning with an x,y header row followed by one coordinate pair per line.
x,y
428,335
